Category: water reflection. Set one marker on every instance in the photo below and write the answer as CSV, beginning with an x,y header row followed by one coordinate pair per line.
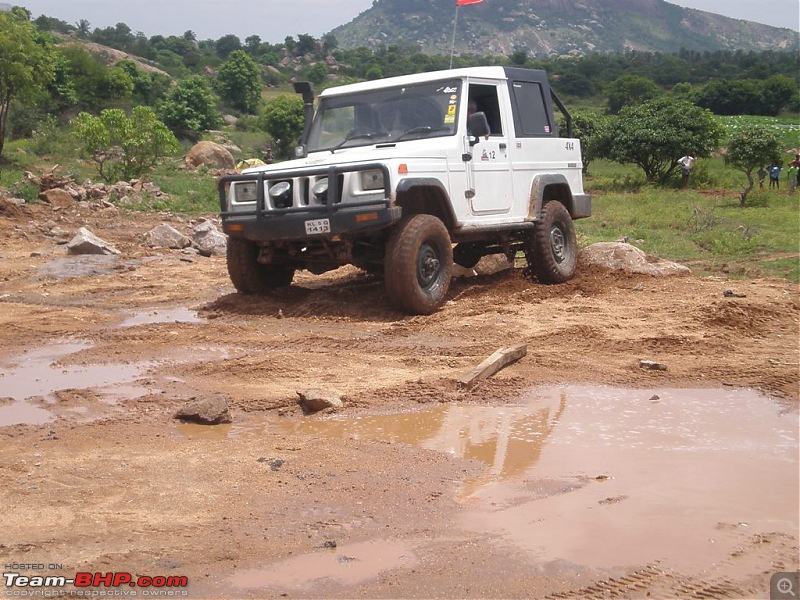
x,y
508,439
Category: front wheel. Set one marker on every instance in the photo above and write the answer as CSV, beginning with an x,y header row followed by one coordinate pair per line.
x,y
418,264
552,248
250,276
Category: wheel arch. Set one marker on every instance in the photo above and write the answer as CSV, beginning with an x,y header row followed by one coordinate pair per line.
x,y
547,187
417,196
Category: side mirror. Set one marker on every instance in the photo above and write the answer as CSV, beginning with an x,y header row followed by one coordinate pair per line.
x,y
477,126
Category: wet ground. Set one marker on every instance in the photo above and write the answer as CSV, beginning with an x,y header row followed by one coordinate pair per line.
x,y
571,473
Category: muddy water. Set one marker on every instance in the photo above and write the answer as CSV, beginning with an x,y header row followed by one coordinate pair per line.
x,y
606,477
157,316
27,382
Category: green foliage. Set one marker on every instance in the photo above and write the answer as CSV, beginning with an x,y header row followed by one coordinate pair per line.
x,y
228,44
748,96
591,129
629,90
750,148
238,82
655,134
148,88
283,119
124,147
26,65
190,108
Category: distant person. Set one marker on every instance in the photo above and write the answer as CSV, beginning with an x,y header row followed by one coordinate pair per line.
x,y
686,163
774,176
796,164
792,171
762,175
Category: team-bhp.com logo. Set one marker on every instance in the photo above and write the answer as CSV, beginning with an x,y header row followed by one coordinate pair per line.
x,y
95,584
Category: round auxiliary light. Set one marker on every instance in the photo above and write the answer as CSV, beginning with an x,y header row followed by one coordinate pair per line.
x,y
281,194
320,189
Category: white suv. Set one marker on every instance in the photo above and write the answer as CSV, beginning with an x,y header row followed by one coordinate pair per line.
x,y
406,176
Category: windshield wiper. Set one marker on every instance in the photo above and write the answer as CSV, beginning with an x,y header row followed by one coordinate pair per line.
x,y
424,129
360,136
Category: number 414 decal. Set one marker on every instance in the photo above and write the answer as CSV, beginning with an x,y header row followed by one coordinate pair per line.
x,y
570,145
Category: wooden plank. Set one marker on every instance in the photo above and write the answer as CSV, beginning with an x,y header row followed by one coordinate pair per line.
x,y
499,360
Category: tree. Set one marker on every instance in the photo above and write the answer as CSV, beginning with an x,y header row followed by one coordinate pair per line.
x,y
238,82
329,42
283,119
190,108
84,29
26,65
654,135
124,147
749,148
590,128
629,90
228,44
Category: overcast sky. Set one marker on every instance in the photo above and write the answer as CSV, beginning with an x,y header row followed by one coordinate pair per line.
x,y
273,20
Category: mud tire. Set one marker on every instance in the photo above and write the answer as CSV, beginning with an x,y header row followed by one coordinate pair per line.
x,y
250,276
552,248
418,265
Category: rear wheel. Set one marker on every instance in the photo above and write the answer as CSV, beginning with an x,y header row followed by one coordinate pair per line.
x,y
552,248
248,275
418,264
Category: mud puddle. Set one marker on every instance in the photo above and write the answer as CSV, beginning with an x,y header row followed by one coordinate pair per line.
x,y
29,382
344,565
691,479
158,316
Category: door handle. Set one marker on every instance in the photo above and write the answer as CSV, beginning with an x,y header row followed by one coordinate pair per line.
x,y
502,146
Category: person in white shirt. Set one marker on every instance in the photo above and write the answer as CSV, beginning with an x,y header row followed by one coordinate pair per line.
x,y
686,163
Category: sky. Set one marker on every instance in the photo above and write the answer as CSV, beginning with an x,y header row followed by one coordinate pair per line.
x,y
273,20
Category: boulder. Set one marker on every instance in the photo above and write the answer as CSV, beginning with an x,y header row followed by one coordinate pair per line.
x,y
206,410
165,236
209,240
85,242
57,197
314,400
619,256
209,154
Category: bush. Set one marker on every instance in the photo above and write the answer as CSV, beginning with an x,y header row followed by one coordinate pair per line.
x,y
124,147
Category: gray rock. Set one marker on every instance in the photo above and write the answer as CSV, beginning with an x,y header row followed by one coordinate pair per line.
x,y
85,242
209,241
314,400
165,236
619,256
206,410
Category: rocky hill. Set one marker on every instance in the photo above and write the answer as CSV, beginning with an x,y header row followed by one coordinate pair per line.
x,y
556,27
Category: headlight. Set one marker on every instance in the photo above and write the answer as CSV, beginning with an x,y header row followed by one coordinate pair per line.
x,y
281,194
372,180
246,192
320,190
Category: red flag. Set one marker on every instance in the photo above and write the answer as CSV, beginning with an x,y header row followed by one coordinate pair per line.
x,y
463,2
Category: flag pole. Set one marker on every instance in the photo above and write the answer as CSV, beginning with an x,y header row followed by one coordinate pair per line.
x,y
453,42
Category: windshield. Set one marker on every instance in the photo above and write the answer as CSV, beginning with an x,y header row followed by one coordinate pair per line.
x,y
385,115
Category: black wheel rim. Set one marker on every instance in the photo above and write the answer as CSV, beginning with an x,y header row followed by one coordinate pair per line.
x,y
428,266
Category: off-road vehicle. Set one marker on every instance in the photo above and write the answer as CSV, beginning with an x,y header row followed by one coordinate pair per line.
x,y
405,176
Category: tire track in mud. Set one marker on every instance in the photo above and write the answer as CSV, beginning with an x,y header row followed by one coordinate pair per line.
x,y
653,582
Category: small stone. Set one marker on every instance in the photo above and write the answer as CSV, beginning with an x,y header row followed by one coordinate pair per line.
x,y
652,365
207,410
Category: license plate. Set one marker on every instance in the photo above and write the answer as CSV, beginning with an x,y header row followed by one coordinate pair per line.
x,y
318,226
